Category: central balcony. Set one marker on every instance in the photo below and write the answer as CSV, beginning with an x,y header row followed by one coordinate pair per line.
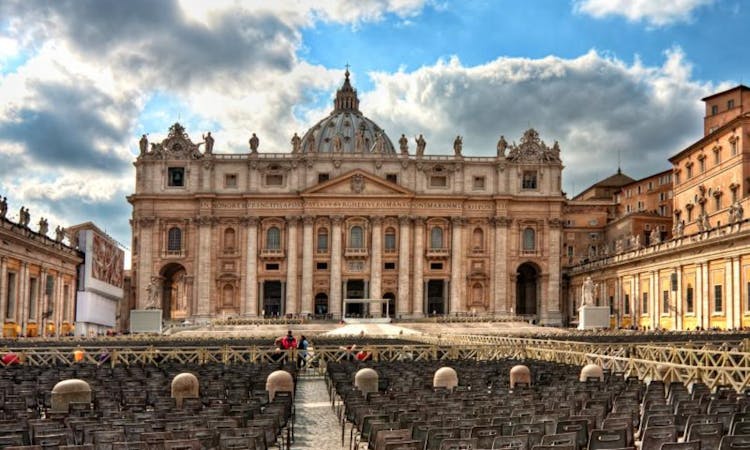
x,y
272,253
441,252
353,252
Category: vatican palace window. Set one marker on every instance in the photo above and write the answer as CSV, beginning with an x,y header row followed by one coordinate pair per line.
x,y
322,240
392,177
230,180
323,177
438,181
689,299
176,177
10,301
529,179
356,237
478,183
436,238
274,180
273,239
529,240
718,301
174,239
390,240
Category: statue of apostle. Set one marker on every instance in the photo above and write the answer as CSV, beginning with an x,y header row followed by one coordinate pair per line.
x,y
421,144
254,142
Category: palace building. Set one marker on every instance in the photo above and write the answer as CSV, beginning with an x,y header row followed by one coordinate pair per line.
x,y
344,216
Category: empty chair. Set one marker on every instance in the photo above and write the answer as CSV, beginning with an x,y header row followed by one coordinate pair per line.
x,y
735,442
485,435
620,424
560,439
182,444
514,442
693,445
382,437
608,439
709,435
553,447
458,444
404,445
578,426
654,437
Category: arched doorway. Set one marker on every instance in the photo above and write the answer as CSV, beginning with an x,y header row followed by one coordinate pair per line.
x,y
391,308
321,304
527,279
176,292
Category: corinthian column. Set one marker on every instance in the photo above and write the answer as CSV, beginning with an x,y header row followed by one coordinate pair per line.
x,y
550,313
144,260
204,266
376,258
500,298
456,265
402,305
335,287
251,268
291,265
418,275
307,265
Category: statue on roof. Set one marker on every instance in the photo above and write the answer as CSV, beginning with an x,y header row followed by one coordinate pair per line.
x,y
3,207
337,143
143,144
655,236
379,145
254,143
403,144
59,233
296,143
359,140
24,217
209,141
458,145
43,226
421,144
502,145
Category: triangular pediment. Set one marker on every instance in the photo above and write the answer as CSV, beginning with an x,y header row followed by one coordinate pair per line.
x,y
358,183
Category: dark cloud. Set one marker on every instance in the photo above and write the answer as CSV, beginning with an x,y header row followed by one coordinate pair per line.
x,y
67,127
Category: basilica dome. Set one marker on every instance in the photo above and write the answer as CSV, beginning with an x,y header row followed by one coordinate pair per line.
x,y
346,130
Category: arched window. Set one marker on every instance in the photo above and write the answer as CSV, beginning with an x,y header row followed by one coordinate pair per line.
x,y
322,240
229,239
174,239
436,237
356,238
390,239
529,239
273,239
477,239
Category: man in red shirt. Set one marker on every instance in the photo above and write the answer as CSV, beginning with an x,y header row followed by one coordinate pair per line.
x,y
288,341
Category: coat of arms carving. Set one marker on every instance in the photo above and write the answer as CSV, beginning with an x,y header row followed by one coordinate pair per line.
x,y
358,183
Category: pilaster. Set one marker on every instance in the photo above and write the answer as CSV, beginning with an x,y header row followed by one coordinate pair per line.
x,y
402,303
307,265
376,259
291,265
457,281
335,285
250,308
418,273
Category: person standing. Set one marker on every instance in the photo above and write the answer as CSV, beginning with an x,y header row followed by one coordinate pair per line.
x,y
302,352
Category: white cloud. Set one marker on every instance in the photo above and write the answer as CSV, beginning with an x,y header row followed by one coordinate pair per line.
x,y
654,12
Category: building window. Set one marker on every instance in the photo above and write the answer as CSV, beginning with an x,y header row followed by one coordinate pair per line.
x,y
389,266
717,156
438,181
689,299
529,179
714,110
390,240
640,205
650,185
677,178
730,103
717,201
479,183
272,266
230,180
436,238
274,180
176,177
718,301
644,306
689,214
356,237
733,146
230,240
273,238
477,240
33,295
665,302
436,266
10,300
702,165
174,239
392,177
322,240
321,266
66,301
689,171
323,177
529,239
626,305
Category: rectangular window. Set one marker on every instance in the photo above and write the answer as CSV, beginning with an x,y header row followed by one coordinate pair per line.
x,y
730,104
733,146
689,171
10,300
529,179
714,110
626,305
717,200
230,180
702,165
644,307
650,185
392,177
274,180
321,266
176,177
389,266
438,181
273,266
665,302
640,205
322,242
33,296
66,300
323,177
390,241
638,189
689,299
718,301
677,178
436,266
570,251
478,183
717,157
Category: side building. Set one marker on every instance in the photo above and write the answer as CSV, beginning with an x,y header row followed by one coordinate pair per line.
x,y
693,271
345,217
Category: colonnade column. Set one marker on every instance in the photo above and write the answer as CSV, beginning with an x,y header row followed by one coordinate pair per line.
x,y
550,313
500,297
678,302
418,273
736,297
307,265
203,273
22,306
145,258
291,265
456,265
706,309
376,260
402,305
251,268
335,284
3,286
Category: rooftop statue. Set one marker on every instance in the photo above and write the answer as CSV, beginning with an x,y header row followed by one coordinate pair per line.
x,y
421,144
143,144
43,226
254,142
209,140
403,144
3,207
296,143
458,145
502,145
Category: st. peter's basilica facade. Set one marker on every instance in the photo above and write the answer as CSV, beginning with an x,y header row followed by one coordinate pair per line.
x,y
345,215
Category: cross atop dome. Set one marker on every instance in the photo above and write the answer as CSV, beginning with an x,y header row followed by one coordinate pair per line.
x,y
346,96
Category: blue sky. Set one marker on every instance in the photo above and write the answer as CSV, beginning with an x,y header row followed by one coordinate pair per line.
x,y
80,81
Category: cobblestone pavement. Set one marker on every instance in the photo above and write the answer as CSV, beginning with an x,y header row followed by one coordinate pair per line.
x,y
316,427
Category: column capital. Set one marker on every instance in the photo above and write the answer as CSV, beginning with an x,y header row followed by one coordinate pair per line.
x,y
457,221
501,221
146,221
418,221
249,221
292,220
404,220
337,220
308,219
206,220
376,220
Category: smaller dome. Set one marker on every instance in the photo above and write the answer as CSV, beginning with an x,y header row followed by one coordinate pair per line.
x,y
346,129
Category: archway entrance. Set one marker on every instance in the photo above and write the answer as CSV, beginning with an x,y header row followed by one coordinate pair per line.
x,y
526,289
355,289
390,310
175,293
321,304
436,296
272,294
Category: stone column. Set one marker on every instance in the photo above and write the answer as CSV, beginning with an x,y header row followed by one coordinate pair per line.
x,y
291,265
203,274
3,288
500,297
251,268
144,260
550,314
307,265
376,260
22,306
655,307
418,274
679,310
736,294
617,302
456,301
706,308
402,303
334,296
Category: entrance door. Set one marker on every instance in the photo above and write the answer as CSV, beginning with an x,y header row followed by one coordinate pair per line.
x,y
526,287
175,292
436,297
321,304
391,309
355,289
272,299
